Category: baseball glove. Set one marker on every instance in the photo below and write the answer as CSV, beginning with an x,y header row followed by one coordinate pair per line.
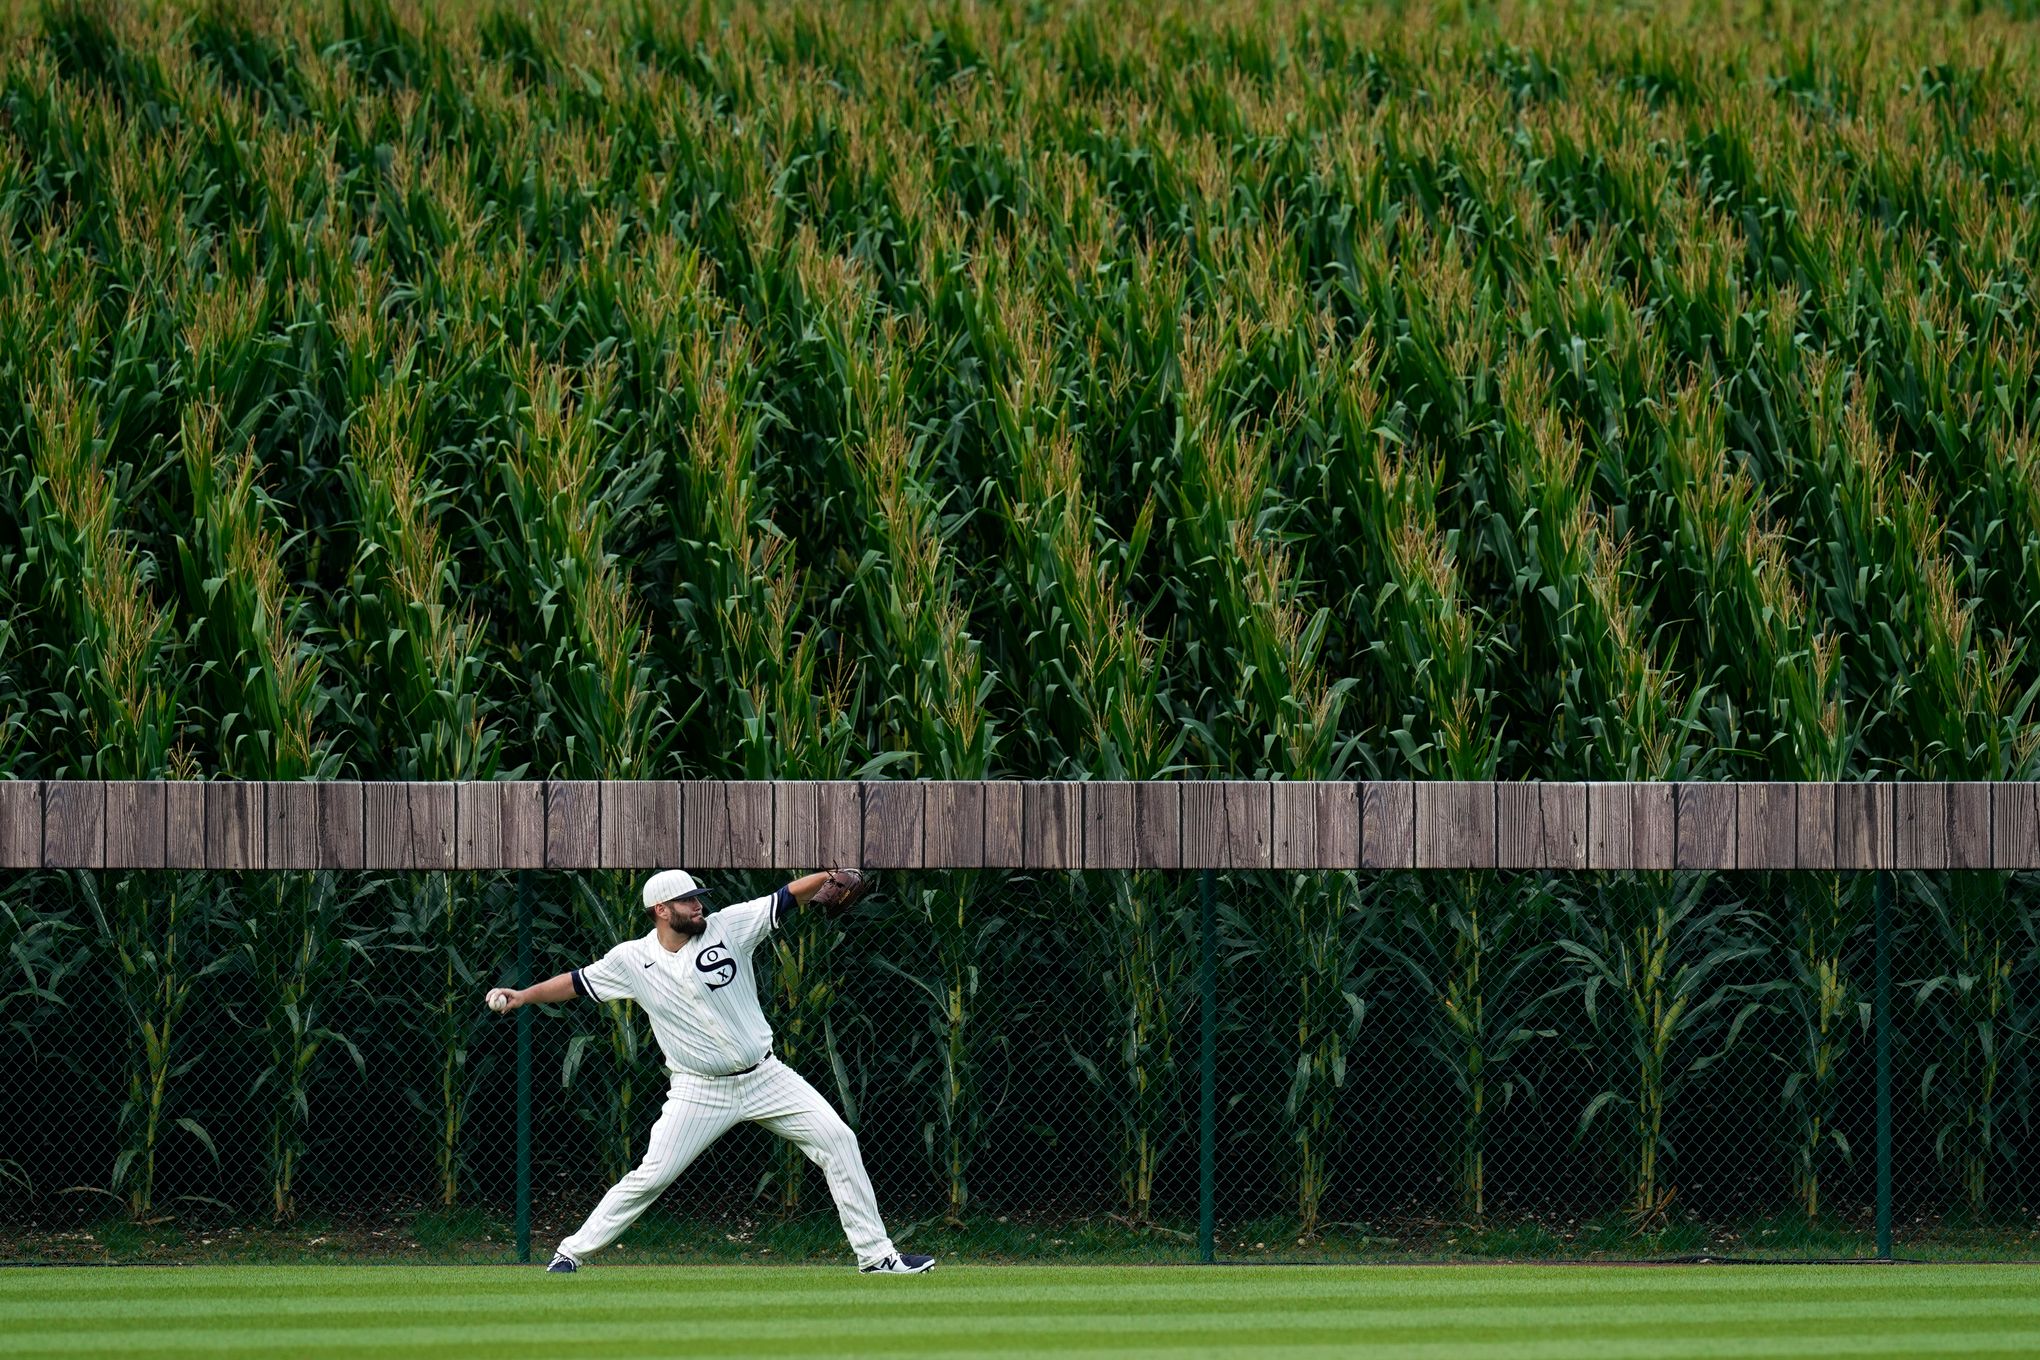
x,y
844,888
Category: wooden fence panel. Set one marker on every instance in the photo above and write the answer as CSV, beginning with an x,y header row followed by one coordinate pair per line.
x,y
1455,824
342,838
408,826
290,824
1005,825
1816,836
1969,828
2015,826
953,823
1631,826
573,824
1865,830
134,824
963,824
1766,825
1388,824
1052,825
74,824
1158,825
1920,814
1707,823
641,823
894,821
1540,825
724,824
21,824
1108,824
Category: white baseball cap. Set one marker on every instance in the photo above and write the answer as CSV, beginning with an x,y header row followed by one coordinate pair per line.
x,y
668,885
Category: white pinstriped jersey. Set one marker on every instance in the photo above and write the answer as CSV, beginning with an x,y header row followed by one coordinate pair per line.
x,y
702,999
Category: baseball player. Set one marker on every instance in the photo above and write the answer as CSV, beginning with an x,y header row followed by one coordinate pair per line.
x,y
692,975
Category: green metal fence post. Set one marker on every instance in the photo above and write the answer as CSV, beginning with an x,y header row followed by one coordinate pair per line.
x,y
1207,1134
1882,925
524,1070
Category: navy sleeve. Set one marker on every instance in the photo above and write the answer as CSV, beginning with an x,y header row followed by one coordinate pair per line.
x,y
783,904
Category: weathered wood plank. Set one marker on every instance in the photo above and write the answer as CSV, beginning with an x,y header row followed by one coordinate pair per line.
x,y
795,837
21,824
1228,824
953,824
1519,825
1707,826
1816,838
1969,828
1455,824
2015,826
1656,827
1249,823
1388,824
573,824
1203,825
641,823
290,824
1108,824
725,824
74,824
1865,834
1541,825
1157,825
1295,844
343,842
1920,815
1052,825
839,825
233,825
523,823
134,824
1005,825
1565,824
1766,825
895,824
1631,826
408,825
478,824
1338,824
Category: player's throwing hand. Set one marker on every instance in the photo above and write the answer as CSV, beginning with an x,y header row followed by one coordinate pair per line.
x,y
504,999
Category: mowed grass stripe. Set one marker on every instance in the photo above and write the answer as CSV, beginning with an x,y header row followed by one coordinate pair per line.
x,y
1521,1312
774,1317
841,1286
1177,1335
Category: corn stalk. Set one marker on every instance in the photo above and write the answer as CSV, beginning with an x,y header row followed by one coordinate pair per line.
x,y
581,638
1265,648
1095,679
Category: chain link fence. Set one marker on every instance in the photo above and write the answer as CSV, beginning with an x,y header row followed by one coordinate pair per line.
x,y
1103,1066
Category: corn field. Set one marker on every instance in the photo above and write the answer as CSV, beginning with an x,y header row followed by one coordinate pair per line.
x,y
1271,391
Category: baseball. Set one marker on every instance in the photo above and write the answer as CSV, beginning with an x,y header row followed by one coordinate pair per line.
x,y
499,1000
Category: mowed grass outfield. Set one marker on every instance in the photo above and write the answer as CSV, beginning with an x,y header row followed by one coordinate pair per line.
x,y
1515,1311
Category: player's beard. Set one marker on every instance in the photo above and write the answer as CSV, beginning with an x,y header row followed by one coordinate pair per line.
x,y
689,926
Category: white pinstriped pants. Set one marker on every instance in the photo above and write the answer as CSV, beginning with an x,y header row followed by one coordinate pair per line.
x,y
700,1110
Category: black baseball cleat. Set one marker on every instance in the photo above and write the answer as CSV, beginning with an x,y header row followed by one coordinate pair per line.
x,y
899,1265
562,1264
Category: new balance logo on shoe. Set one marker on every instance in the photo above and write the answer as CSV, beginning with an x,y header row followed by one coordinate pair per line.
x,y
899,1265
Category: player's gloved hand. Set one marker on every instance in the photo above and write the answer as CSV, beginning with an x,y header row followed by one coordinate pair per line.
x,y
503,999
842,889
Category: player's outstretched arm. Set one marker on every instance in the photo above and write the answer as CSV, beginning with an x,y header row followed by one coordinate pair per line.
x,y
801,889
558,987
